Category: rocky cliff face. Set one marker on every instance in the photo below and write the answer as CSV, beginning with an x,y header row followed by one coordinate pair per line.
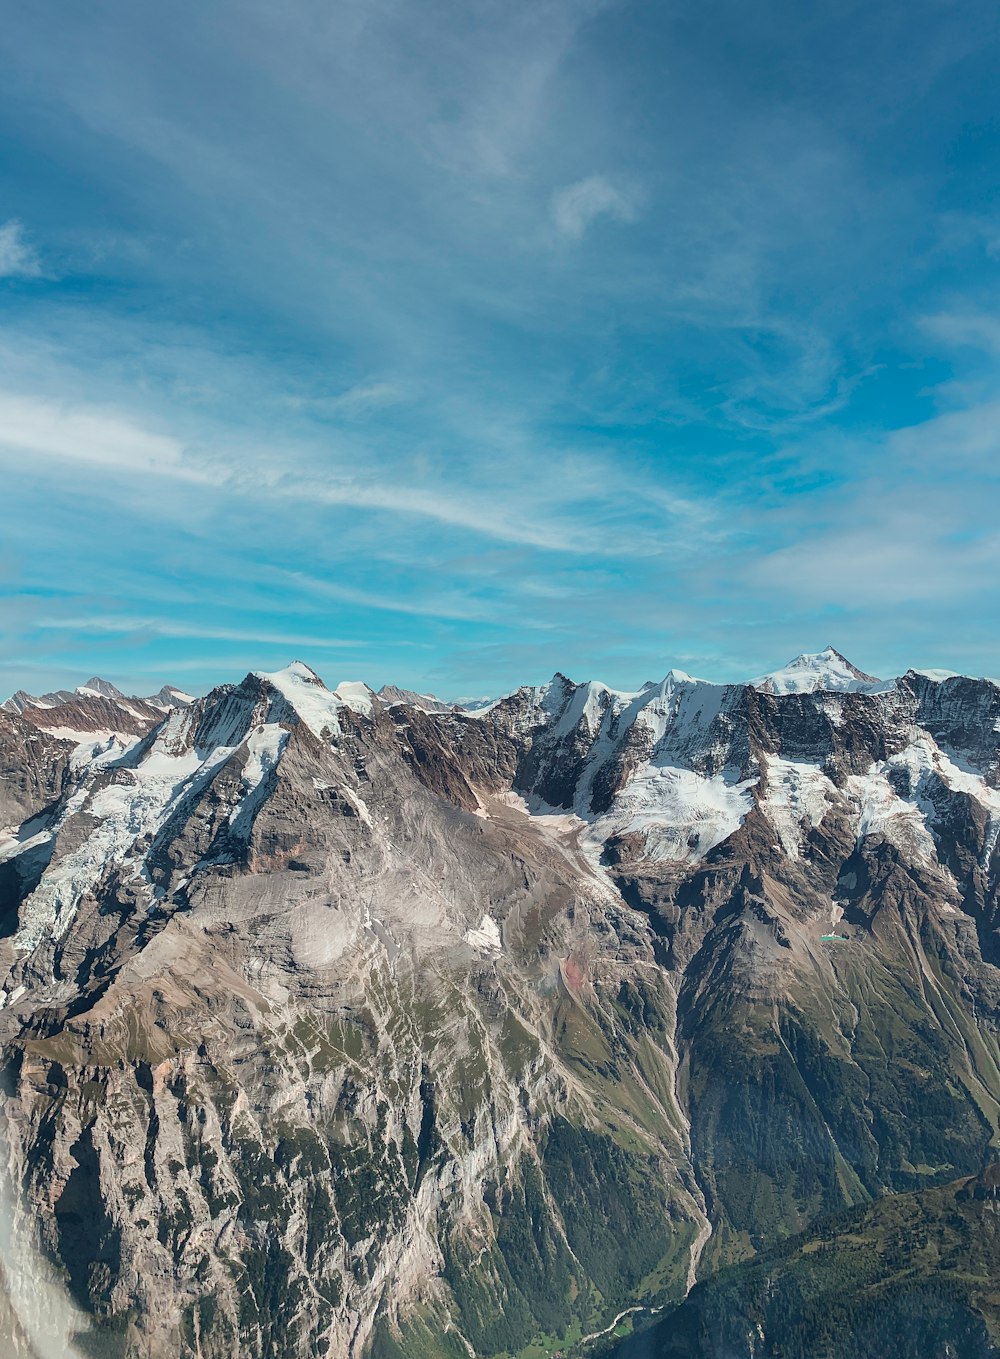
x,y
33,769
335,1025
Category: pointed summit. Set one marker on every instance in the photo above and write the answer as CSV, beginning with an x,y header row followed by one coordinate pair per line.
x,y
170,697
311,700
298,670
18,701
316,705
101,688
827,671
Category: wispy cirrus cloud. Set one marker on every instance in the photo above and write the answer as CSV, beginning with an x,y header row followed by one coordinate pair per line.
x,y
92,437
576,207
18,257
456,605
357,402
900,532
564,503
161,627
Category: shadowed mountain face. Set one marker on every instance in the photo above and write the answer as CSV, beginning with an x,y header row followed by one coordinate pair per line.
x,y
337,1023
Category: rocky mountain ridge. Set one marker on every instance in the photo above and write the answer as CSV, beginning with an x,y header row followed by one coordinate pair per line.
x,y
162,701
338,1024
96,718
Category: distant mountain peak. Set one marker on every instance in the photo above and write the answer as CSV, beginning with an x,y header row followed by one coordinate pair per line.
x,y
96,711
298,670
393,694
101,687
675,676
812,671
169,696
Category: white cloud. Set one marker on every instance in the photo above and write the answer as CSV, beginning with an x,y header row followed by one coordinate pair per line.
x,y
969,438
966,329
353,403
575,504
577,206
167,628
898,560
903,535
477,512
18,259
51,429
456,605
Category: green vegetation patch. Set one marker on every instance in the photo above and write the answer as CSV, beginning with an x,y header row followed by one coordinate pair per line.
x,y
912,1276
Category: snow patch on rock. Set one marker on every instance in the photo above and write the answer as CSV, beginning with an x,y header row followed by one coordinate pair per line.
x,y
682,814
356,695
264,747
881,811
485,936
137,803
796,797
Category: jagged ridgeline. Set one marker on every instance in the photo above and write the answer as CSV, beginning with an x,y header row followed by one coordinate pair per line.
x,y
348,1024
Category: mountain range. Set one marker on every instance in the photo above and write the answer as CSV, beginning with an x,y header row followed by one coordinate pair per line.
x,y
360,1024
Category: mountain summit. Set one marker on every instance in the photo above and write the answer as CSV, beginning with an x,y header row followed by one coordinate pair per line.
x,y
819,670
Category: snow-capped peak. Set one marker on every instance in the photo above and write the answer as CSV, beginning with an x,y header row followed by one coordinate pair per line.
x,y
99,688
18,701
170,697
317,706
298,671
825,670
475,705
357,696
308,695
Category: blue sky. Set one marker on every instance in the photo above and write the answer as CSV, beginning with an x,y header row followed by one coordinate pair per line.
x,y
449,344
